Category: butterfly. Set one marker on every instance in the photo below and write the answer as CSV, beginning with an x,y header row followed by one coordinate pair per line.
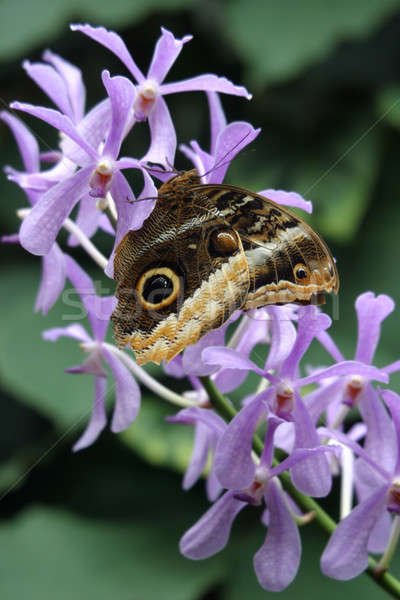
x,y
205,251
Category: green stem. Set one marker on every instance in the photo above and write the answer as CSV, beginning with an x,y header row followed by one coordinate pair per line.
x,y
224,407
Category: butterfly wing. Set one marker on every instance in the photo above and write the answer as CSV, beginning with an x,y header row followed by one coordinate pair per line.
x,y
181,275
288,261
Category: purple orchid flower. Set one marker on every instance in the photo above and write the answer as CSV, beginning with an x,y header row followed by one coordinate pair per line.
x,y
208,428
338,395
277,561
127,391
346,554
149,102
234,463
99,172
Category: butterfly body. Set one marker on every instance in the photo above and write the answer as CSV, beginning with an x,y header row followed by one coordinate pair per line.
x,y
204,252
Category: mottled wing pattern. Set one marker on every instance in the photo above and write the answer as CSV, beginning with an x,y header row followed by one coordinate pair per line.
x,y
211,287
288,261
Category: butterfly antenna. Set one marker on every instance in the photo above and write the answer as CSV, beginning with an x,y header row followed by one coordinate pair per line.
x,y
222,162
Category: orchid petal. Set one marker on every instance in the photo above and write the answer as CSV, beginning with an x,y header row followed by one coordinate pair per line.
x,y
292,199
53,280
121,93
311,476
211,533
205,83
26,142
310,323
87,219
73,79
57,120
40,227
346,554
113,42
283,336
192,356
217,118
229,358
127,393
392,400
371,311
165,54
98,417
234,465
75,331
380,441
230,141
199,456
347,367
163,136
327,342
51,82
277,561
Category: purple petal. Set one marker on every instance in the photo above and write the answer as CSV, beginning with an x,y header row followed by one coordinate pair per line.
x,y
114,43
327,342
88,219
205,83
229,358
379,538
53,85
300,454
283,336
13,238
127,393
234,465
75,331
202,161
213,486
26,142
311,322
277,561
346,555
347,367
229,143
292,199
195,414
53,280
211,533
165,54
73,79
121,93
81,281
380,441
163,136
323,397
392,400
312,475
371,311
57,120
40,227
192,357
199,456
99,309
217,118
98,418
392,368
93,128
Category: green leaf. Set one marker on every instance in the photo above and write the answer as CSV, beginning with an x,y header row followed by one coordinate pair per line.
x,y
277,40
30,23
47,554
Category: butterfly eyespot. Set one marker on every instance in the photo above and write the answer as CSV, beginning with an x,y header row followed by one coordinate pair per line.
x,y
158,287
300,271
223,243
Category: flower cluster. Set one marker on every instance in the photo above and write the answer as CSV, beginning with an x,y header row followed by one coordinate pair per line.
x,y
296,416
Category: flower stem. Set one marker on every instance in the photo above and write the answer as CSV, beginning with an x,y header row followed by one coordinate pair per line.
x,y
149,381
226,410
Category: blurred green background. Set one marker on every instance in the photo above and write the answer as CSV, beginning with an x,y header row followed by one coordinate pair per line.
x,y
326,82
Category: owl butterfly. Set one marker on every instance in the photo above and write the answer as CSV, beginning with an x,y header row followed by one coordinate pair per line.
x,y
205,251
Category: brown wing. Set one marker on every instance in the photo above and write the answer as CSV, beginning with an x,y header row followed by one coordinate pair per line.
x,y
288,261
181,275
